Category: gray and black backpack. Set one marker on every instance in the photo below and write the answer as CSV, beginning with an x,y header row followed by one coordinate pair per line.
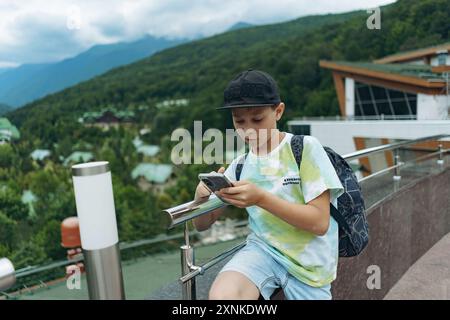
x,y
350,213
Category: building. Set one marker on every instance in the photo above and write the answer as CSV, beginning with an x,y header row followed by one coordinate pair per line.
x,y
8,131
401,96
107,117
152,176
148,150
78,157
40,154
174,102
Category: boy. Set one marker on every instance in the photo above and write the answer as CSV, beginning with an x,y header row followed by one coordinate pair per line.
x,y
293,242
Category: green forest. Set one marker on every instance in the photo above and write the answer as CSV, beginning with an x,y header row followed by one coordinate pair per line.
x,y
198,71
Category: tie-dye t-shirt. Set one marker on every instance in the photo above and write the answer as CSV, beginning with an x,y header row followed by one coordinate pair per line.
x,y
310,258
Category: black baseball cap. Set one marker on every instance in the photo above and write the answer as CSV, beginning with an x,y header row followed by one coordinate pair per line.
x,y
251,88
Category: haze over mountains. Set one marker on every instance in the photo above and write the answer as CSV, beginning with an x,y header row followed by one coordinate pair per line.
x,y
28,82
31,81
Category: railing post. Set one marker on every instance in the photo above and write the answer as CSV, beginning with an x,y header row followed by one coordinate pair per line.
x,y
187,263
98,230
440,160
397,175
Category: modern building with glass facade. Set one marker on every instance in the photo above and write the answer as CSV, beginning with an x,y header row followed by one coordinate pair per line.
x,y
401,96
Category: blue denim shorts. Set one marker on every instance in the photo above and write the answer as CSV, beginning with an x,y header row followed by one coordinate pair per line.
x,y
267,274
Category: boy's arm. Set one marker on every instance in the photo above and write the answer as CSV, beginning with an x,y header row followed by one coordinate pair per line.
x,y
204,221
313,216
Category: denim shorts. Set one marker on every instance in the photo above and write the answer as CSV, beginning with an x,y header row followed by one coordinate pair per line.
x,y
267,274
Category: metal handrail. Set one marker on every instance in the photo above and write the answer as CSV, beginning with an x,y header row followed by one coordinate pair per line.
x,y
188,211
31,270
201,269
390,146
359,118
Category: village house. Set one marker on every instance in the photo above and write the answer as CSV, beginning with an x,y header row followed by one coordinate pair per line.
x,y
8,131
152,176
107,118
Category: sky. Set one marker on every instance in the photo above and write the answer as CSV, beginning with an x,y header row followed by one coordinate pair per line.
x,y
40,31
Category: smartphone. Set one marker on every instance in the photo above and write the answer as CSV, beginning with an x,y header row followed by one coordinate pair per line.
x,y
215,181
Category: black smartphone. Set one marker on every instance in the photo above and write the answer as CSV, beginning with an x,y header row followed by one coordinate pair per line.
x,y
215,181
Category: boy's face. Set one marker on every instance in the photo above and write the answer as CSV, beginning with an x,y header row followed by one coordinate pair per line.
x,y
256,124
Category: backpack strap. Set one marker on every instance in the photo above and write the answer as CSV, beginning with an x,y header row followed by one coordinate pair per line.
x,y
239,167
297,148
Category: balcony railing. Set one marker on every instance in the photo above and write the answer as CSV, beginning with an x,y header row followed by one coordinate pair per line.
x,y
361,118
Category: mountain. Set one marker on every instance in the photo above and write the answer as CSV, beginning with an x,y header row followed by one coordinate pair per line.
x,y
240,25
4,70
199,70
4,108
31,81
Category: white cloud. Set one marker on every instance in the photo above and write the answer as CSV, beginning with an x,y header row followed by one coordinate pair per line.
x,y
36,31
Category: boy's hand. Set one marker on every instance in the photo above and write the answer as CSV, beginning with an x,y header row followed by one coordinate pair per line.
x,y
202,192
243,194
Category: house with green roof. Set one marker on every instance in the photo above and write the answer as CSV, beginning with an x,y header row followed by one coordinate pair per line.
x,y
8,131
148,150
172,102
137,142
152,175
40,154
107,117
78,157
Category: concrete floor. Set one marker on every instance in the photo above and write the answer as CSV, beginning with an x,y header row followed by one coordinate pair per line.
x,y
428,278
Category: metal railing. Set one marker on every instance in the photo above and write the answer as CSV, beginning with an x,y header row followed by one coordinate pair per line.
x,y
185,212
188,211
360,118
33,270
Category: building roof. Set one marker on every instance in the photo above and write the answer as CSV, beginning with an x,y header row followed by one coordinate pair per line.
x,y
157,173
137,142
40,154
79,156
403,77
148,150
173,102
405,72
8,131
94,115
414,54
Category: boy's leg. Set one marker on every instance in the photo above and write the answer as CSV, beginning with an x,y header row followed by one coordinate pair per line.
x,y
249,273
230,285
295,289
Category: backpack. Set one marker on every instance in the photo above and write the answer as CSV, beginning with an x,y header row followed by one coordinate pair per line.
x,y
350,212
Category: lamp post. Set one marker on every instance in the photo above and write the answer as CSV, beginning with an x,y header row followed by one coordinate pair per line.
x,y
7,274
98,230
